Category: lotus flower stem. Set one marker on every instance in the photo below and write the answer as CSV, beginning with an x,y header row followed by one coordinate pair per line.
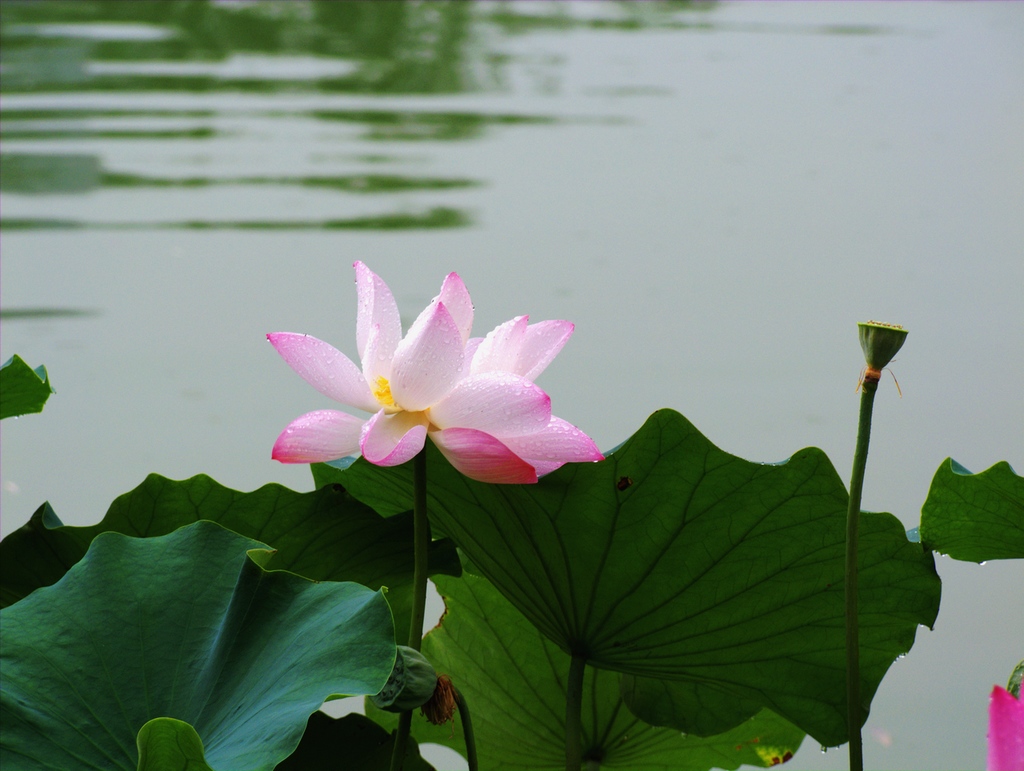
x,y
421,547
860,459
467,730
574,714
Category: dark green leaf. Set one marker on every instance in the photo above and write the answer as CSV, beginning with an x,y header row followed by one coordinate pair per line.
x,y
23,390
704,709
166,744
674,560
189,626
325,535
387,500
975,517
514,682
362,745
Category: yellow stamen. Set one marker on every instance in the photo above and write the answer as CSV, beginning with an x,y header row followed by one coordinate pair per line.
x,y
382,392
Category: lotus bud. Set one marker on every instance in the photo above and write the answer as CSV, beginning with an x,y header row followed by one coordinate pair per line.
x,y
411,684
880,343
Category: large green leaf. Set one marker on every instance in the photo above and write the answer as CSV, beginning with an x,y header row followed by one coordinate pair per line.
x,y
190,626
23,390
325,535
974,517
514,681
363,744
672,559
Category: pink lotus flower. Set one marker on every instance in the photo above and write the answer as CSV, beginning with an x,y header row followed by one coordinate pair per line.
x,y
1005,731
474,397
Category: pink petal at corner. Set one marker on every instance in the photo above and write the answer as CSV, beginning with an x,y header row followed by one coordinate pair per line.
x,y
376,307
499,403
1005,731
390,440
428,361
560,442
325,368
480,456
317,437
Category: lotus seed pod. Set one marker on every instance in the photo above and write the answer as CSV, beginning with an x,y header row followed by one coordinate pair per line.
x,y
411,684
880,342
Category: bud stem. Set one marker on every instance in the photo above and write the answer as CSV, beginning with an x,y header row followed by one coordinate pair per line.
x,y
467,730
854,711
421,547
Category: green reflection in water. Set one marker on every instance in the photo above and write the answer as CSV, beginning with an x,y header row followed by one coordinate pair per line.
x,y
438,217
90,133
36,173
434,126
397,47
21,314
360,183
382,125
177,47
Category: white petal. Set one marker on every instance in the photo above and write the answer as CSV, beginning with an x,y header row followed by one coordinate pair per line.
x,y
560,442
389,440
499,403
428,361
325,368
499,351
455,298
542,343
468,355
376,309
319,436
377,359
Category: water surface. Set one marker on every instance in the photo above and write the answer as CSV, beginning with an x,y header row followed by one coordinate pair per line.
x,y
715,194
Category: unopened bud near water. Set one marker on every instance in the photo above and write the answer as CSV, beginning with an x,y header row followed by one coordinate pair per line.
x,y
411,684
880,342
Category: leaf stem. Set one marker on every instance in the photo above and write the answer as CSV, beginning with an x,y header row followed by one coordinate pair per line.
x,y
860,459
401,740
467,730
574,714
421,547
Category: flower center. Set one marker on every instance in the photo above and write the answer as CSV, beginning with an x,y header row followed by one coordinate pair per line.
x,y
382,392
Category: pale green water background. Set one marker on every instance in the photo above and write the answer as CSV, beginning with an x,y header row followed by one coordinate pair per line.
x,y
715,195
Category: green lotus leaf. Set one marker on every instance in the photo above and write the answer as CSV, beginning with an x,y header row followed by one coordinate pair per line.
x,y
189,626
704,709
325,535
166,744
23,390
672,559
514,682
974,517
364,744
